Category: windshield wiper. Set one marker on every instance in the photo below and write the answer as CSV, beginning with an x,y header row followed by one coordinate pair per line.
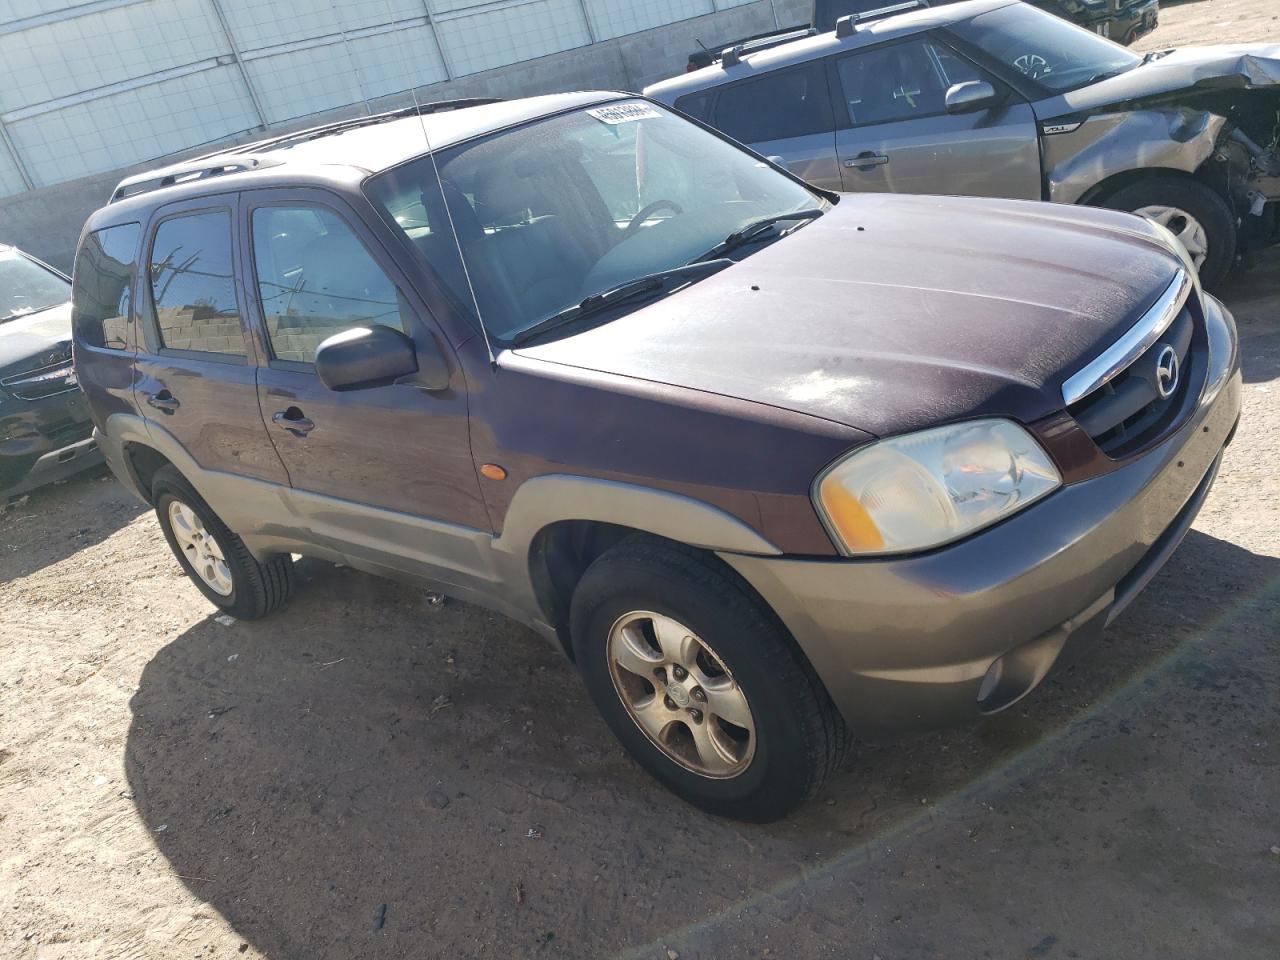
x,y
752,230
614,296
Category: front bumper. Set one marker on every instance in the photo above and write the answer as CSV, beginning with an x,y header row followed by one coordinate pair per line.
x,y
914,642
44,440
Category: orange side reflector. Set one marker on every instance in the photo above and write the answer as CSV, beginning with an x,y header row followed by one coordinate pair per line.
x,y
493,472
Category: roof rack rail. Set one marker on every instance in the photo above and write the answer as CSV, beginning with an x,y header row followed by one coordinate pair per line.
x,y
732,56
243,158
337,126
201,169
848,26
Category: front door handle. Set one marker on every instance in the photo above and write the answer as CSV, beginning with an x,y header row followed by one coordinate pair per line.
x,y
293,420
164,401
866,160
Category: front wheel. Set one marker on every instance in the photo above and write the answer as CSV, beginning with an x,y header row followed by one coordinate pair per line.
x,y
701,683
1195,214
216,560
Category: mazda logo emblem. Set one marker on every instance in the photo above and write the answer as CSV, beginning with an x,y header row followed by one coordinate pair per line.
x,y
1167,371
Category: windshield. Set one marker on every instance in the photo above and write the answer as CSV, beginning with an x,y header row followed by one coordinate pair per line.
x,y
573,205
26,287
1057,55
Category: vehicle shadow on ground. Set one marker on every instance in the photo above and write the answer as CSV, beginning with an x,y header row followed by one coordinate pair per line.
x,y
49,524
364,774
1252,294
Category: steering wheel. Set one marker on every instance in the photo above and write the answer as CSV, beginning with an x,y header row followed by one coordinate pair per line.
x,y
649,211
1033,65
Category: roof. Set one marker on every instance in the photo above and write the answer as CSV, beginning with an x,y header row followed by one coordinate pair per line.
x,y
824,44
346,151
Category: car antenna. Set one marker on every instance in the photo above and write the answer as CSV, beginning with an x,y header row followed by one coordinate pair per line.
x,y
435,166
457,242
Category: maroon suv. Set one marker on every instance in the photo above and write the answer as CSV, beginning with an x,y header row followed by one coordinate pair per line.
x,y
774,468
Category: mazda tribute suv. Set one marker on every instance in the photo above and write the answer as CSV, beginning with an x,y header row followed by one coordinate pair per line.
x,y
774,468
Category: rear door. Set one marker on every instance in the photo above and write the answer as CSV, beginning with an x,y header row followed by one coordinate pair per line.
x,y
895,135
195,365
784,113
317,270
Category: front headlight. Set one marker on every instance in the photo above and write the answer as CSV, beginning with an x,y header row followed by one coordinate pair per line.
x,y
928,488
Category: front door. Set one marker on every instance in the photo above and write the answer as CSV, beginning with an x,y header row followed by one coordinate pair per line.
x,y
388,469
195,365
895,135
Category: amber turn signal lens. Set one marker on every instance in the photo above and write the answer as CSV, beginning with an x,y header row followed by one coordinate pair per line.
x,y
850,517
493,472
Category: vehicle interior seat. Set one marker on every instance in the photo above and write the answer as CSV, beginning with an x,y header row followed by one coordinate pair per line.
x,y
544,264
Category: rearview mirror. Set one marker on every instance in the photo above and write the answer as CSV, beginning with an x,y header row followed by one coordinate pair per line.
x,y
375,356
970,96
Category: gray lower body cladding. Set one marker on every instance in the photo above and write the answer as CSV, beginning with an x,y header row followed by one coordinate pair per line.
x,y
933,639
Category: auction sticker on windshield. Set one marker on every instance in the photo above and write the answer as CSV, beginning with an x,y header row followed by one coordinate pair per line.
x,y
625,113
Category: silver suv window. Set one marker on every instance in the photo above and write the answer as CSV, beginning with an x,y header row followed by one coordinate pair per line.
x,y
780,105
1058,56
901,81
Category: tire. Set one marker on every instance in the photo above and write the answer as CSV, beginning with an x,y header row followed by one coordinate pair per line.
x,y
796,739
253,589
1187,197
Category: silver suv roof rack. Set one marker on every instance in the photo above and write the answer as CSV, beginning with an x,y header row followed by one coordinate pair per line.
x,y
732,56
200,169
848,26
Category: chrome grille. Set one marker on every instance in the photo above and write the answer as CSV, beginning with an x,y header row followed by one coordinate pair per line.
x,y
1136,392
43,382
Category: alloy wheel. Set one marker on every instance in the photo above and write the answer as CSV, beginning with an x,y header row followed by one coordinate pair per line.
x,y
681,695
1189,231
201,548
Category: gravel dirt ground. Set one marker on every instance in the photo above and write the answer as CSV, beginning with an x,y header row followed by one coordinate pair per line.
x,y
366,775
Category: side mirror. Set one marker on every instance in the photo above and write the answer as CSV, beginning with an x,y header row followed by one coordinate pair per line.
x,y
970,96
375,356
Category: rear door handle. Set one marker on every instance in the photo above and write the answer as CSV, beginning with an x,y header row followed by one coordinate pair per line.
x,y
164,401
293,420
866,160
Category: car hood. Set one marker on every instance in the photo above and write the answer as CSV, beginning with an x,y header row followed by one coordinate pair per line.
x,y
1202,68
891,313
36,340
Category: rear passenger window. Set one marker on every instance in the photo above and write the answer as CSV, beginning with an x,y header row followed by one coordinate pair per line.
x,y
193,287
316,279
789,103
696,105
101,292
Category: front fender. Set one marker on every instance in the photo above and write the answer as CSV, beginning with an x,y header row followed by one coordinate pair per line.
x,y
1108,144
548,499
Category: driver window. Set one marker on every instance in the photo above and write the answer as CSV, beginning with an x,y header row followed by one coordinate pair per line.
x,y
902,81
315,279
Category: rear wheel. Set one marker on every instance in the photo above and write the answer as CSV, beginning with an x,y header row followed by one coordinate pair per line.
x,y
1195,214
701,683
216,560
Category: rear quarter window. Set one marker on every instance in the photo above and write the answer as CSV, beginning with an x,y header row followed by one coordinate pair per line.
x,y
777,106
102,285
696,105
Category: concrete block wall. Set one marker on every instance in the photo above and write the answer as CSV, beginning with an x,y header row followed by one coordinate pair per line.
x,y
46,221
